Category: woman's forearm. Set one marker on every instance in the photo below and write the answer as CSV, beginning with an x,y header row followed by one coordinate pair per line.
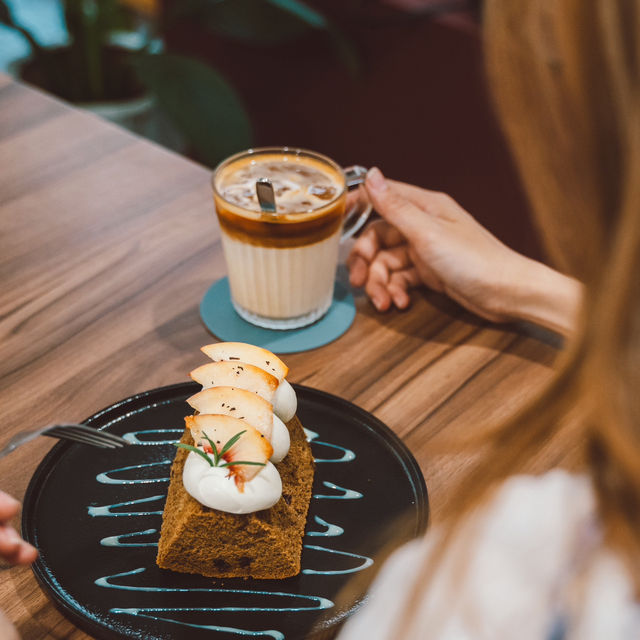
x,y
545,297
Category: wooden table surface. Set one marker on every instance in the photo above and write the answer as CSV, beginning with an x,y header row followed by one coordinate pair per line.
x,y
107,245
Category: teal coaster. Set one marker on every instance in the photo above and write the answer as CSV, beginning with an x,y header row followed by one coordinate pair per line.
x,y
221,319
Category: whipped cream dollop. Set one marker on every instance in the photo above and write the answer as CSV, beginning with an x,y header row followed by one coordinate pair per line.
x,y
280,440
216,488
285,402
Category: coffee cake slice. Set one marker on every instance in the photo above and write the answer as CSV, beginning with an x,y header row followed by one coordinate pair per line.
x,y
265,544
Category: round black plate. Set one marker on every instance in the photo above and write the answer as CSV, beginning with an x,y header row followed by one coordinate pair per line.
x,y
82,501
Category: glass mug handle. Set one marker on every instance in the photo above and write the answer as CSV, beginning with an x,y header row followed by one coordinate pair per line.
x,y
358,213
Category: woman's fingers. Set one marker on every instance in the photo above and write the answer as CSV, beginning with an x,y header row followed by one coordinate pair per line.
x,y
378,294
7,630
394,207
399,284
358,270
26,554
13,549
385,270
9,507
377,236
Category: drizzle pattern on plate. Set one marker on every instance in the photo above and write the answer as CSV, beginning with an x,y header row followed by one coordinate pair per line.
x,y
99,568
314,557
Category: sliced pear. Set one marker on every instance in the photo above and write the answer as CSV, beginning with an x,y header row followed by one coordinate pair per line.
x,y
249,353
236,375
237,403
252,446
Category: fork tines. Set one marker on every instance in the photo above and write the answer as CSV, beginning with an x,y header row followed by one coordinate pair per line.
x,y
87,435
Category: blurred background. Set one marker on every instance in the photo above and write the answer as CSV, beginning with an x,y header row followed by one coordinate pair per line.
x,y
393,83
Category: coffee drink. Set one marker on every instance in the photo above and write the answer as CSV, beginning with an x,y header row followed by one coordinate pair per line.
x,y
281,265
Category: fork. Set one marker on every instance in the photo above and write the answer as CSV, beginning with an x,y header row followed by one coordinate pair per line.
x,y
66,431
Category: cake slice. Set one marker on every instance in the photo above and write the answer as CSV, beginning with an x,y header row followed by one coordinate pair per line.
x,y
265,544
230,512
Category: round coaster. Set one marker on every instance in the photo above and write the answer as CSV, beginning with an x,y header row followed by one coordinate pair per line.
x,y
221,319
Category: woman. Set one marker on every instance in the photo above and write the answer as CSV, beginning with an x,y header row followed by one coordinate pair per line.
x,y
556,555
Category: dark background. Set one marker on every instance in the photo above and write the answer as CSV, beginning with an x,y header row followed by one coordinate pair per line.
x,y
418,106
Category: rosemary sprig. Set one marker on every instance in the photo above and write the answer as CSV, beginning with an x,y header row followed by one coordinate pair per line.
x,y
231,442
217,455
200,452
256,464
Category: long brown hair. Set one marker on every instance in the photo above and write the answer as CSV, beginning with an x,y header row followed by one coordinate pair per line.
x,y
565,76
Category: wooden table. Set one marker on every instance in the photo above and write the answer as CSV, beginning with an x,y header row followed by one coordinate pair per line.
x,y
107,245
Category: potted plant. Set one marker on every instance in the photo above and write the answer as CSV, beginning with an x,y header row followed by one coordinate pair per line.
x,y
114,64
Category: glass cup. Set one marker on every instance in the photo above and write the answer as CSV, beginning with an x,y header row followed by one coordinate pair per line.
x,y
282,264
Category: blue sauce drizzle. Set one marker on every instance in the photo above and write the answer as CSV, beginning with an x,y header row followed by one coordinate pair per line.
x,y
106,509
367,562
142,437
114,541
276,635
347,494
331,531
318,601
132,436
347,456
310,435
105,478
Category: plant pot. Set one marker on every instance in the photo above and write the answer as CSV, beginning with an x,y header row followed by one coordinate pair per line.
x,y
132,114
141,116
126,103
65,72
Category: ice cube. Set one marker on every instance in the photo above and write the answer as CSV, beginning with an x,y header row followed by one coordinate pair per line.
x,y
322,192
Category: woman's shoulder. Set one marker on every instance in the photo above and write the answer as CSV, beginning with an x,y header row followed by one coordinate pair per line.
x,y
507,564
556,510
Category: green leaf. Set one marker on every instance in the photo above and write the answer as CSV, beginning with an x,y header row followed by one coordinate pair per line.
x,y
256,464
200,452
302,11
267,22
231,442
216,455
251,21
200,103
259,23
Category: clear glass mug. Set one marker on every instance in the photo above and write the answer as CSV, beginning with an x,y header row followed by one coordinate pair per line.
x,y
282,263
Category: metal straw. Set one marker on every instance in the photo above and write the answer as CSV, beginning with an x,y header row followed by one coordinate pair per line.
x,y
266,196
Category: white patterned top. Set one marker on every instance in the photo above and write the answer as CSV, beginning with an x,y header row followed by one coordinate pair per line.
x,y
531,567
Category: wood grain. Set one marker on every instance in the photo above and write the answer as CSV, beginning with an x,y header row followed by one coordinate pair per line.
x,y
107,245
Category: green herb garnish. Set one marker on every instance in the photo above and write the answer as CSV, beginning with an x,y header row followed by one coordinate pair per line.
x,y
256,464
217,456
200,452
231,442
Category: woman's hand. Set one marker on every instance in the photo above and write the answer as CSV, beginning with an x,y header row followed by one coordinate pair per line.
x,y
13,549
426,238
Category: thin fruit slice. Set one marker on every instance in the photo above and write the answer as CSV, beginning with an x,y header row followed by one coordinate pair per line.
x,y
251,446
236,375
249,353
237,403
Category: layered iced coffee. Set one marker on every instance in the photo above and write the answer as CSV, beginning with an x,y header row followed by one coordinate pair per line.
x,y
281,264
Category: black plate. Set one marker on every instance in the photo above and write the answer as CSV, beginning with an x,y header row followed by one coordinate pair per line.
x,y
365,477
